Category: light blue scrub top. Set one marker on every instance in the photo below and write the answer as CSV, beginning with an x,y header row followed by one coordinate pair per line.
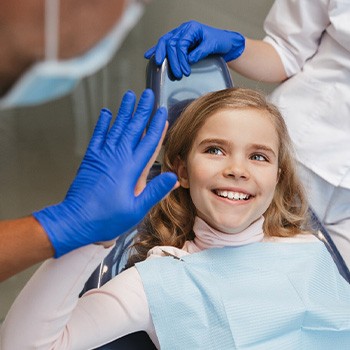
x,y
259,296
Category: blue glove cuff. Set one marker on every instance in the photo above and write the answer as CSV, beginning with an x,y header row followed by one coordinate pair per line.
x,y
56,230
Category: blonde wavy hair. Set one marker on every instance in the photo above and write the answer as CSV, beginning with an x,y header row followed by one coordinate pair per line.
x,y
171,221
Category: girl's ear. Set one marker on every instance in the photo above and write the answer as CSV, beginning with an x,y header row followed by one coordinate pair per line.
x,y
181,171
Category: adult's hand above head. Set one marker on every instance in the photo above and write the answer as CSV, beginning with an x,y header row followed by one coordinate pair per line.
x,y
193,41
101,203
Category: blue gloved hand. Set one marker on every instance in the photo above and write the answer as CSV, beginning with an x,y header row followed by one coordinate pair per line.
x,y
101,203
193,41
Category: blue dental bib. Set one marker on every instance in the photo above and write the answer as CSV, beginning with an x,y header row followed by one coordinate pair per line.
x,y
259,296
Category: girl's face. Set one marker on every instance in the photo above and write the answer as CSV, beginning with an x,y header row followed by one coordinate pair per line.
x,y
232,168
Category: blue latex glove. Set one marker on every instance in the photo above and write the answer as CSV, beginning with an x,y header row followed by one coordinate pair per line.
x,y
101,203
193,41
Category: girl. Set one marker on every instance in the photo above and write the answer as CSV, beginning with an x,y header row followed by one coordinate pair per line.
x,y
228,277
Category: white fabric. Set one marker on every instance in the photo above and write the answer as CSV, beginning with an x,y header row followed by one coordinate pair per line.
x,y
48,313
313,40
332,207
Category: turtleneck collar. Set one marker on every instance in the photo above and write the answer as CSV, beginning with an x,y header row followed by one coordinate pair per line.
x,y
206,237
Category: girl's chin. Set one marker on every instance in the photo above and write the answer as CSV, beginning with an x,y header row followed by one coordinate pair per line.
x,y
225,223
229,229
232,227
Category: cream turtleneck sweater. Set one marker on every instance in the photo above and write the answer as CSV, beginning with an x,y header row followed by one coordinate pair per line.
x,y
206,237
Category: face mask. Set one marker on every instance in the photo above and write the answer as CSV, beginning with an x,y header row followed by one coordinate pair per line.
x,y
53,78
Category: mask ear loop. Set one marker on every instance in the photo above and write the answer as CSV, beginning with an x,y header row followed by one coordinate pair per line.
x,y
52,14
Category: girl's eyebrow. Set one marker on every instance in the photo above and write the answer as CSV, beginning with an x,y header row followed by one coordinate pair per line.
x,y
214,141
254,146
263,148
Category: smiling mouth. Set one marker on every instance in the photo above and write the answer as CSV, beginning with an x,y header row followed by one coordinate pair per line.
x,y
234,196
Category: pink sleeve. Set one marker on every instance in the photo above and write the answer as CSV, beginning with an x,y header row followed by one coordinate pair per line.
x,y
118,308
49,314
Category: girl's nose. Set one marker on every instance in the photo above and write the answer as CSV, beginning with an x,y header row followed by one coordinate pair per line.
x,y
236,170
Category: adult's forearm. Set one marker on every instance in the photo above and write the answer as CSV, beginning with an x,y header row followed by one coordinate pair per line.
x,y
260,62
23,243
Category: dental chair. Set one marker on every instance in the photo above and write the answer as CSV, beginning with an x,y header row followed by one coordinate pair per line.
x,y
210,74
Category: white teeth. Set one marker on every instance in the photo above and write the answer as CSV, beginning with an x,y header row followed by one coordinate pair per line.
x,y
232,195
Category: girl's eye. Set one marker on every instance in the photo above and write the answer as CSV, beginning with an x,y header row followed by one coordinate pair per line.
x,y
215,151
259,157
